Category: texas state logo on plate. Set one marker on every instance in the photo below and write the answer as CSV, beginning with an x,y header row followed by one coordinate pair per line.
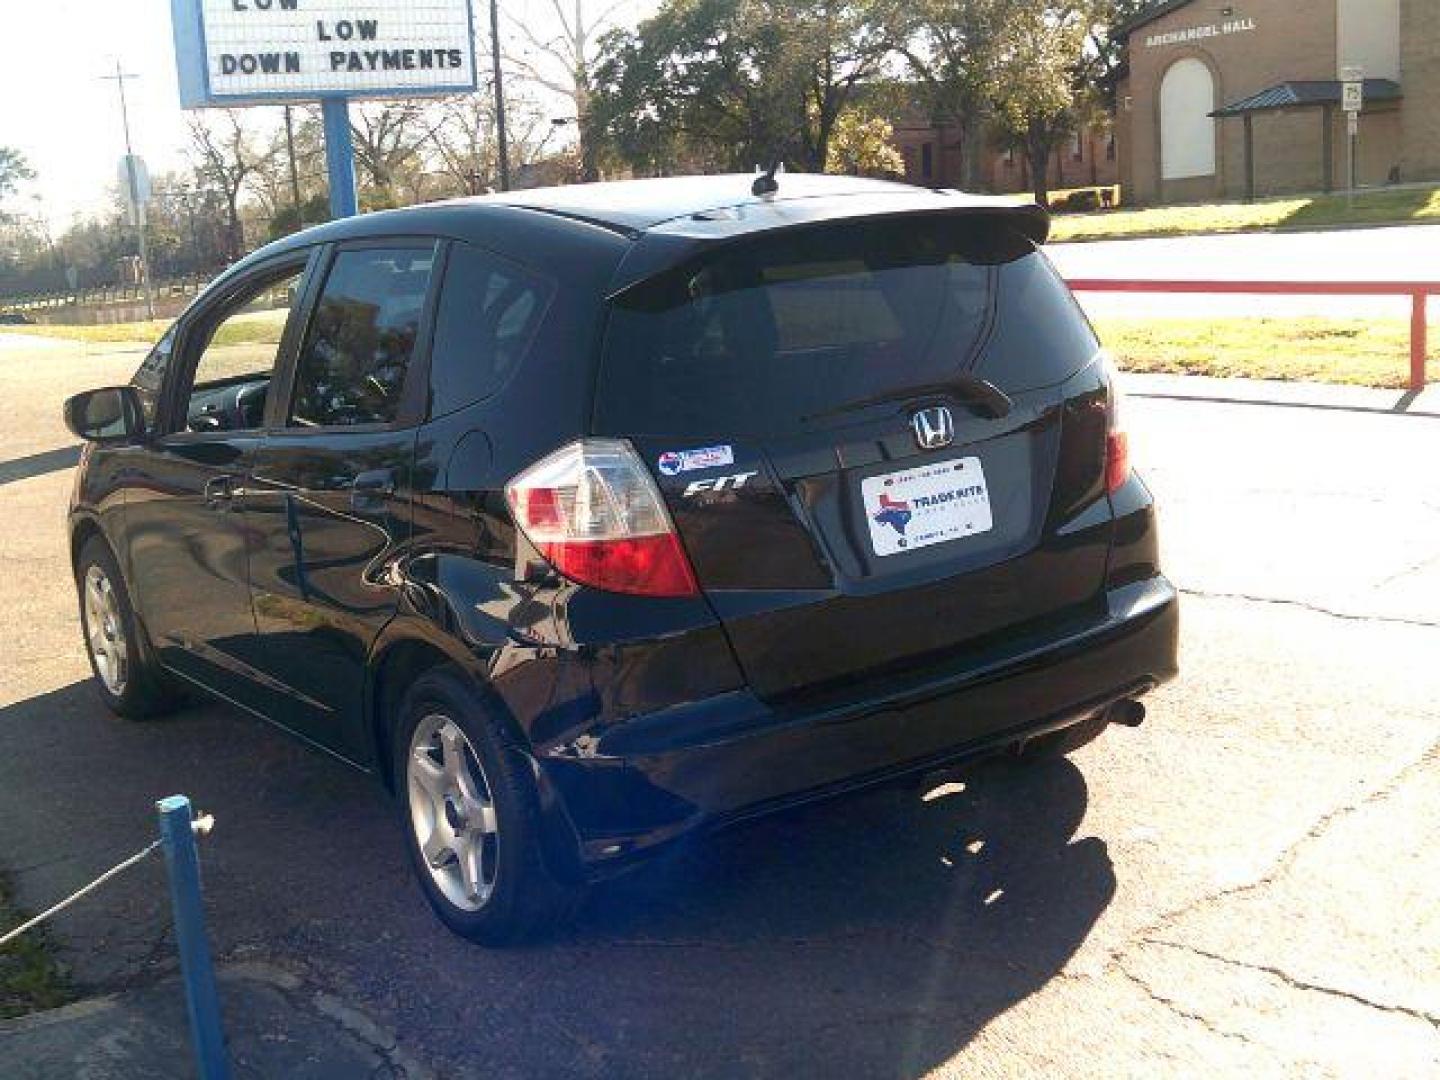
x,y
936,502
674,462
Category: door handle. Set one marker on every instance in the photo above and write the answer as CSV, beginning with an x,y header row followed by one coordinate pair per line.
x,y
219,492
369,488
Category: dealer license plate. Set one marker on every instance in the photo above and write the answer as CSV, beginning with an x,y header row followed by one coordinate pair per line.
x,y
930,504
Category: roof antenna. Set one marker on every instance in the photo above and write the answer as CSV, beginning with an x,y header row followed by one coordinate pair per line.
x,y
765,183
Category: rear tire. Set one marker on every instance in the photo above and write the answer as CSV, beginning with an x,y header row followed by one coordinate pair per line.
x,y
129,679
470,811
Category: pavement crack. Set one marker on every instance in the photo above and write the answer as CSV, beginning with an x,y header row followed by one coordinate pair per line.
x,y
1286,858
1318,609
1296,983
1179,1010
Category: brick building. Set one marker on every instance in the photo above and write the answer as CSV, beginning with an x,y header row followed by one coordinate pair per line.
x,y
933,159
1223,100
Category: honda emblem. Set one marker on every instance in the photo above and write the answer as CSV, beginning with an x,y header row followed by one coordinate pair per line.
x,y
934,428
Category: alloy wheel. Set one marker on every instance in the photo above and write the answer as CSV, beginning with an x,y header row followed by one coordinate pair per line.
x,y
452,812
105,631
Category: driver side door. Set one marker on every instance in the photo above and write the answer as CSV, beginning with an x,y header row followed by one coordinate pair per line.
x,y
185,519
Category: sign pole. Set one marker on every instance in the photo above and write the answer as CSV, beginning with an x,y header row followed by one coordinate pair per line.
x,y
502,148
1352,99
294,173
339,156
133,183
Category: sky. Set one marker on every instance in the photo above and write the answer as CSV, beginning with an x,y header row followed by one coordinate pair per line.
x,y
57,108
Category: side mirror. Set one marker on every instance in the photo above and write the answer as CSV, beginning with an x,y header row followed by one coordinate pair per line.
x,y
112,414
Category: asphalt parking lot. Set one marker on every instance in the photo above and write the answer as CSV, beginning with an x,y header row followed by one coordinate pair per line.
x,y
1247,882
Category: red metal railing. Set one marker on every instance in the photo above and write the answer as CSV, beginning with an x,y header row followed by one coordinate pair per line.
x,y
1418,291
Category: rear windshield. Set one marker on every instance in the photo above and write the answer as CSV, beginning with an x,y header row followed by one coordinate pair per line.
x,y
785,330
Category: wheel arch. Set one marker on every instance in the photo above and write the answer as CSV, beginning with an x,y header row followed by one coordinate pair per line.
x,y
83,529
411,646
405,650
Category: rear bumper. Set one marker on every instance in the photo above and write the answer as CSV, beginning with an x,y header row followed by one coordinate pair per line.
x,y
733,756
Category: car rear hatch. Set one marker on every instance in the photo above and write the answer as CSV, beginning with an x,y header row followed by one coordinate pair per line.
x,y
881,440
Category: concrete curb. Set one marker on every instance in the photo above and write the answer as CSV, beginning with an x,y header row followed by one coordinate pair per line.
x,y
275,1019
1288,395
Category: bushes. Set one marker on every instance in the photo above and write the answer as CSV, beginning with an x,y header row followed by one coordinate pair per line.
x,y
1086,200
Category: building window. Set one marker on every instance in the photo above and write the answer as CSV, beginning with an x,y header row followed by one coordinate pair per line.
x,y
1009,157
927,160
1110,147
1077,146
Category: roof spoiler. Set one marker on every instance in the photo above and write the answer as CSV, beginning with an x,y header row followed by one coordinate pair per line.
x,y
660,250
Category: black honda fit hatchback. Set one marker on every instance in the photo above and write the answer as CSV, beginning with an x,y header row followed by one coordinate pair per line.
x,y
588,517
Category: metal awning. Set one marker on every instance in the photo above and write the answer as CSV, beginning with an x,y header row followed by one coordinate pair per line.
x,y
1302,94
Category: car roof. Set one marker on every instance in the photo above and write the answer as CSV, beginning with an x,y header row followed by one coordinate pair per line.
x,y
553,225
645,204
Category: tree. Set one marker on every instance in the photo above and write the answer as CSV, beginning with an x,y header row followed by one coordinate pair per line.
x,y
462,136
272,184
863,145
743,81
562,64
14,170
227,155
387,137
1104,52
1039,88
954,48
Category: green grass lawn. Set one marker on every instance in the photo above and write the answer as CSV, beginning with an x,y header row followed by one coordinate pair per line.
x,y
246,328
1360,352
29,978
1414,205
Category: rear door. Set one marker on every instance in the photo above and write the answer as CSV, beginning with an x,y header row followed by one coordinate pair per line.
x,y
881,442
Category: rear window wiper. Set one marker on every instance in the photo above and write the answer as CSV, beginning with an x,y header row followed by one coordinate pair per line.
x,y
987,398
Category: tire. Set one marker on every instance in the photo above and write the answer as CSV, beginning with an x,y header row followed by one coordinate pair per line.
x,y
1058,744
128,678
470,812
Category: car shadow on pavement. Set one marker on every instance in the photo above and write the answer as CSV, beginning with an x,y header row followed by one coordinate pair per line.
x,y
875,934
916,920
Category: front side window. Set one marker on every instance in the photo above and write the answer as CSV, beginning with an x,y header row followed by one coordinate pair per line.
x,y
238,355
352,365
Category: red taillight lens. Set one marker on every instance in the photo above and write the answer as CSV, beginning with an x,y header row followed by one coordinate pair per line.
x,y
1117,460
597,517
1117,442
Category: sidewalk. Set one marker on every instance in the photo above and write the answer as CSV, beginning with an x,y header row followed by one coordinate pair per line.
x,y
275,1024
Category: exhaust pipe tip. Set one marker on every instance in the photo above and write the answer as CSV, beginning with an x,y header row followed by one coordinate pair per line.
x,y
1127,713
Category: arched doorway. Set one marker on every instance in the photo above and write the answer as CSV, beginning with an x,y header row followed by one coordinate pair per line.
x,y
1187,131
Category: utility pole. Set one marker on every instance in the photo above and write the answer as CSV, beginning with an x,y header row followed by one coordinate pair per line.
x,y
503,150
294,174
134,185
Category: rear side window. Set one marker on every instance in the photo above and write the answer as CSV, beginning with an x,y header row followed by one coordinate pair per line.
x,y
489,311
362,337
783,331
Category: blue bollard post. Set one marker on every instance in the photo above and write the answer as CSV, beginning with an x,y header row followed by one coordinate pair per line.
x,y
202,1001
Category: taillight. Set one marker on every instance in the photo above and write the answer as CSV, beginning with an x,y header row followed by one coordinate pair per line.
x,y
595,514
1117,442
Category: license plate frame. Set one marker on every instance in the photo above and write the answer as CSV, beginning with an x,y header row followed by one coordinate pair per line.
x,y
937,502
